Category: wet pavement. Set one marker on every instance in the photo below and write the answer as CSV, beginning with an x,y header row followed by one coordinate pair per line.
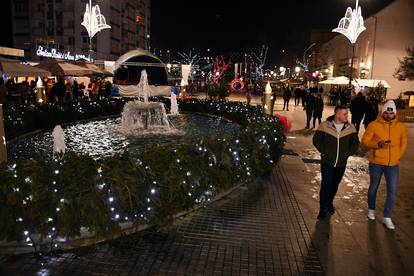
x,y
256,230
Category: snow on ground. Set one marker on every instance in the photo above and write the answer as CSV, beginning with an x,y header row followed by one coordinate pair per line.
x,y
354,184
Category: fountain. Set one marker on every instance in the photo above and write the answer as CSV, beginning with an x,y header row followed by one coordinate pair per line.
x,y
142,117
174,105
59,146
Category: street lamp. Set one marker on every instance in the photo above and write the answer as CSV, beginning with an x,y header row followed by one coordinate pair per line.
x,y
351,26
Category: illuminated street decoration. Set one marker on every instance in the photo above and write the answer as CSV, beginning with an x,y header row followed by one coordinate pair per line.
x,y
352,25
53,53
93,20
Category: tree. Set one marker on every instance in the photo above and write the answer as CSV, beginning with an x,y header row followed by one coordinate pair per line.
x,y
406,68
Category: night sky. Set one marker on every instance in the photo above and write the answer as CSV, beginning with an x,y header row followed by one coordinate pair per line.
x,y
236,26
229,25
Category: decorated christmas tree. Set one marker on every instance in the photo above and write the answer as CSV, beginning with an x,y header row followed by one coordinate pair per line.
x,y
406,68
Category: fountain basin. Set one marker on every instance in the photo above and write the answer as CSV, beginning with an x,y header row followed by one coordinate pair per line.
x,y
102,138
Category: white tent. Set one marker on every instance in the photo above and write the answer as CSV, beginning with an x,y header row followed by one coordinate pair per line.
x,y
370,83
153,90
341,80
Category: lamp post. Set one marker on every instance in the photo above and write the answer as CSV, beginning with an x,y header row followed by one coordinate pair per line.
x,y
351,26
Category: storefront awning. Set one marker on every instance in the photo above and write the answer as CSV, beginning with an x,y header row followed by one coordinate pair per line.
x,y
16,69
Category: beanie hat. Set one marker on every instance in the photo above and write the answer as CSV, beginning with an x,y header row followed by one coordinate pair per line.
x,y
389,106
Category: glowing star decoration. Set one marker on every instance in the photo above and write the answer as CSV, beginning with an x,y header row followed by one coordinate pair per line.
x,y
352,25
93,20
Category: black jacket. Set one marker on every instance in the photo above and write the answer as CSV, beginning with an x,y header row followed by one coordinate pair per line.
x,y
335,148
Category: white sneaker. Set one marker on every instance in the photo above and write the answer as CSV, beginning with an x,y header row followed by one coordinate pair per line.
x,y
371,214
388,223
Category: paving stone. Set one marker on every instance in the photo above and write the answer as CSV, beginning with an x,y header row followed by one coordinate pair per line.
x,y
254,231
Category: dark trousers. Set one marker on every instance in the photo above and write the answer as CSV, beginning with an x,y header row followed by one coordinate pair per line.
x,y
319,120
357,122
308,117
286,103
331,177
297,100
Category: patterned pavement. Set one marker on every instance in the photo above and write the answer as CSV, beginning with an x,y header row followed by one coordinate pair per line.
x,y
256,230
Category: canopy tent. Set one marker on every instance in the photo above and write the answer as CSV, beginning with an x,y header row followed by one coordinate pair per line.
x,y
61,68
370,83
96,71
355,82
341,80
153,90
16,69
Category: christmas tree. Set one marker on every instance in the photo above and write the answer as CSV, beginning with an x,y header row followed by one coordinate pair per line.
x,y
406,69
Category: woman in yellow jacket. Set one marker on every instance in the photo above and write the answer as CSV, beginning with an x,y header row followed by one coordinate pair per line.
x,y
386,138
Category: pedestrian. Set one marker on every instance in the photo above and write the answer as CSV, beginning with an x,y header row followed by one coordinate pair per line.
x,y
287,94
309,107
248,95
370,112
358,106
75,90
318,110
386,138
297,93
303,94
336,140
3,92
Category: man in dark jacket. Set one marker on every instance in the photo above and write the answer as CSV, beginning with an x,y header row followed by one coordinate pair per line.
x,y
287,94
318,110
336,140
298,94
358,106
309,106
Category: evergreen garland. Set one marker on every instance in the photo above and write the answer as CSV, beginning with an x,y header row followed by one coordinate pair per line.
x,y
45,200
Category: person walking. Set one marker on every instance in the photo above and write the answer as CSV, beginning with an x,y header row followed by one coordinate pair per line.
x,y
358,106
297,93
287,94
336,140
386,138
318,110
309,106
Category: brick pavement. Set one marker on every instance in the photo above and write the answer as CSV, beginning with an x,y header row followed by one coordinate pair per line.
x,y
256,230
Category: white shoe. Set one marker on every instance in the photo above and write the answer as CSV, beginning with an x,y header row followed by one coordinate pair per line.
x,y
388,223
371,214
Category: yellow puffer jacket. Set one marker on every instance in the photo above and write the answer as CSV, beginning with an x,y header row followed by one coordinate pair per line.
x,y
394,131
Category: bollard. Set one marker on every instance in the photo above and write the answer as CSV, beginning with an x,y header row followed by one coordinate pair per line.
x,y
3,148
267,100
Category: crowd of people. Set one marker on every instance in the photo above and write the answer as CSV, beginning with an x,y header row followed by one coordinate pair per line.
x,y
57,91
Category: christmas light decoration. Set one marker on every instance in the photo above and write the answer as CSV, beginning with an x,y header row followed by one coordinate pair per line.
x,y
93,21
352,25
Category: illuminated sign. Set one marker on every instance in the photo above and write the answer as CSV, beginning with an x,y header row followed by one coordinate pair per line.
x,y
53,53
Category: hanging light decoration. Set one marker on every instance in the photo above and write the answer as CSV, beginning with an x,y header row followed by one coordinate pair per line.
x,y
93,21
352,25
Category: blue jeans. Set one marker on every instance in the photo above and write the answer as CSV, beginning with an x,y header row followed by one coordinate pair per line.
x,y
391,174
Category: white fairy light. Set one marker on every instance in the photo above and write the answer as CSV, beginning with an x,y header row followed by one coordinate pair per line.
x,y
111,199
352,24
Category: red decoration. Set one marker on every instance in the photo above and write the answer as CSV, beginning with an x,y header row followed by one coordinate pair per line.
x,y
220,67
236,85
287,125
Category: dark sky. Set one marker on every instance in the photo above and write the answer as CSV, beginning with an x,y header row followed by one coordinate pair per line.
x,y
239,26
229,25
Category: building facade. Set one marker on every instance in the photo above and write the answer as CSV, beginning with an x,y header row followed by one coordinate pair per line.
x,y
57,24
377,51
